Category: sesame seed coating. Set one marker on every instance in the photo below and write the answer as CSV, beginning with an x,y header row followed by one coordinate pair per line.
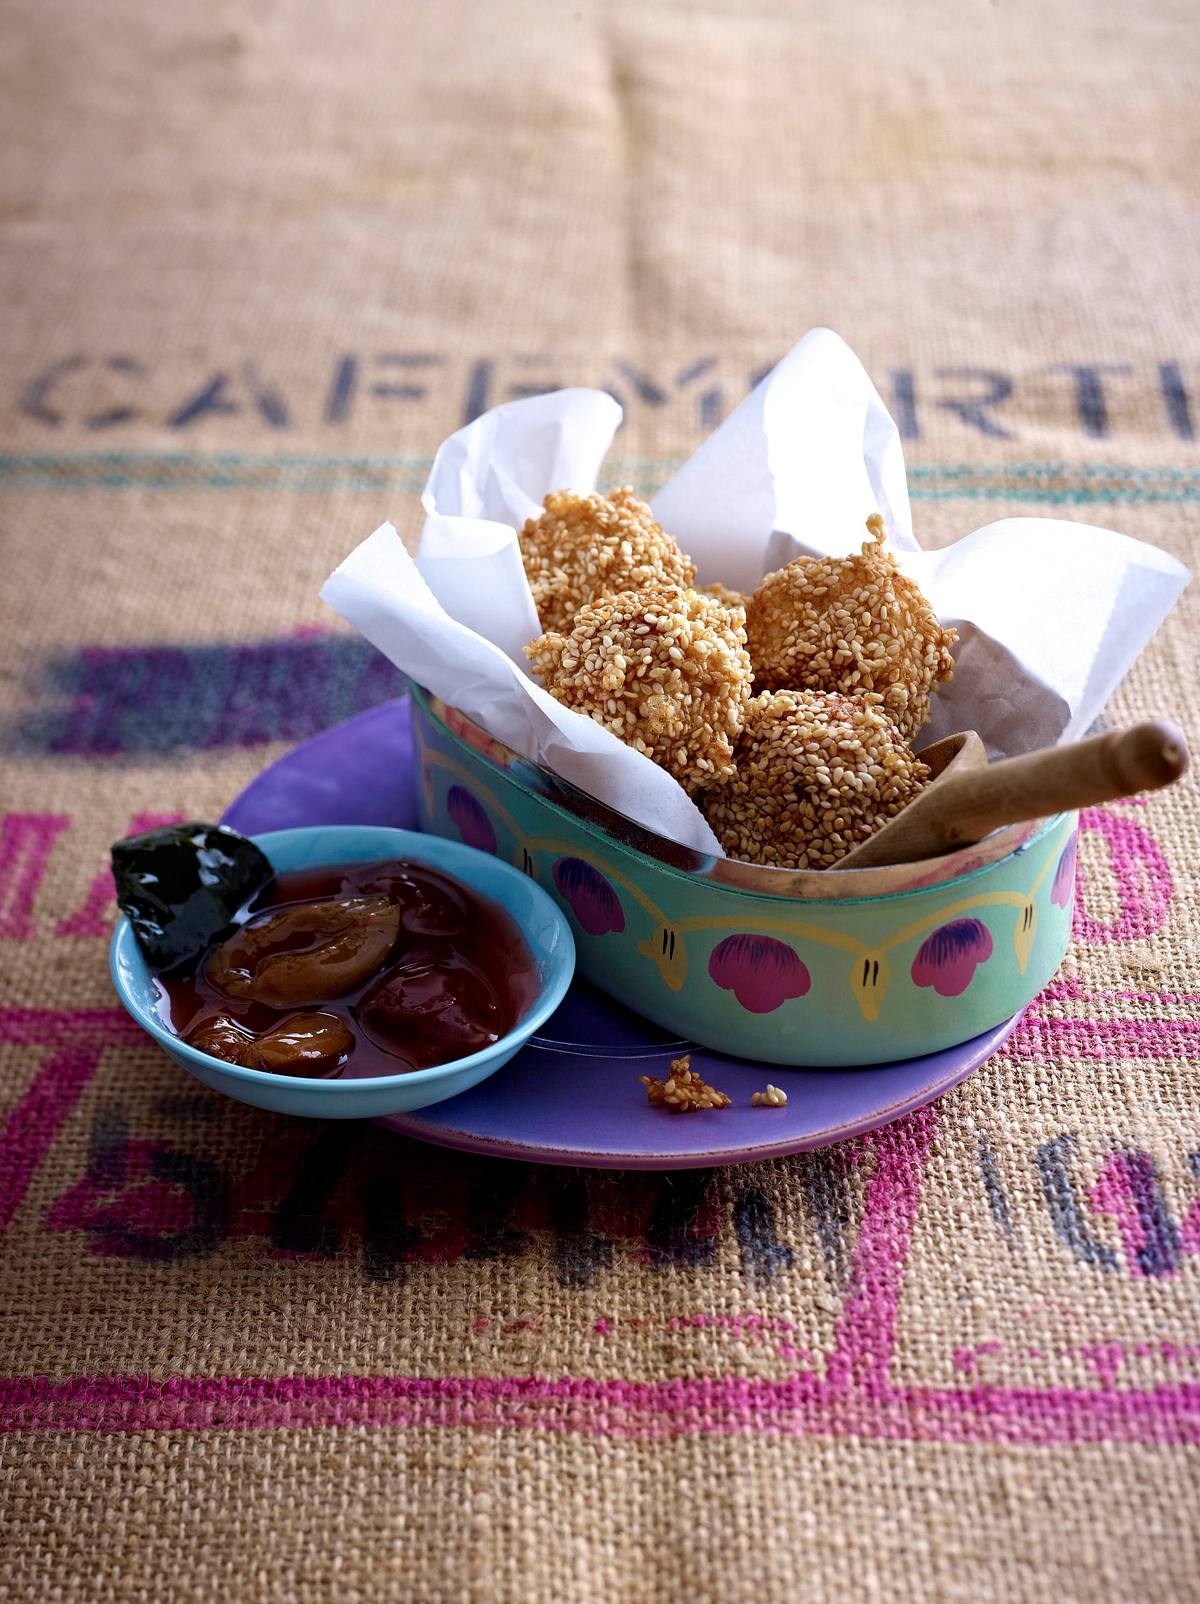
x,y
816,773
665,668
582,547
727,597
852,624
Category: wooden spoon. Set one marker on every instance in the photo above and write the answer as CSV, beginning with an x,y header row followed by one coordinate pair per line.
x,y
954,754
966,800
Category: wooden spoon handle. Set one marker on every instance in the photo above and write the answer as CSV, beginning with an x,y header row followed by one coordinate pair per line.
x,y
962,808
1058,779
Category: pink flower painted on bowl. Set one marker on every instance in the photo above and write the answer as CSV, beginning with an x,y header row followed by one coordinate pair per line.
x,y
470,819
762,973
593,901
1063,889
949,957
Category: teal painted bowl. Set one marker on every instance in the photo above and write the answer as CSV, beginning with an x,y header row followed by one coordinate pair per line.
x,y
811,969
546,931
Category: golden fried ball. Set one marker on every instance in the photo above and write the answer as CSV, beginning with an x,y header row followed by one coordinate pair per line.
x,y
815,773
853,624
582,547
665,668
727,597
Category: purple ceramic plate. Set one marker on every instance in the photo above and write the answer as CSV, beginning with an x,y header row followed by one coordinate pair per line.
x,y
573,1095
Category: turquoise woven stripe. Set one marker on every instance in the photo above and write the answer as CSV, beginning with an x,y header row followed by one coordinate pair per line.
x,y
183,470
1046,483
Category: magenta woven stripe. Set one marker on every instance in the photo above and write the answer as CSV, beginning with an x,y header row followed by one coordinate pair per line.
x,y
802,1405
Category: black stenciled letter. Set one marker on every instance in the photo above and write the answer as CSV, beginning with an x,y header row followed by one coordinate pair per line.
x,y
672,1236
763,1255
1176,399
975,411
904,403
213,397
35,399
1090,402
1053,1160
578,1251
300,1224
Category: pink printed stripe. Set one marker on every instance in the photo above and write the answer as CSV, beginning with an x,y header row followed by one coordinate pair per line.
x,y
28,1133
49,1027
802,1405
76,1038
26,841
866,1332
1101,1039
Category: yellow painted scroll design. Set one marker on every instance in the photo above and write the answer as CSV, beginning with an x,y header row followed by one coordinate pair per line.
x,y
869,974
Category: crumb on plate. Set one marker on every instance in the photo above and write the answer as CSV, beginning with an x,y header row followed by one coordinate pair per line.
x,y
773,1097
683,1092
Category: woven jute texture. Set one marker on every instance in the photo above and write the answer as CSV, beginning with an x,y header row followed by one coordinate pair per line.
x,y
258,260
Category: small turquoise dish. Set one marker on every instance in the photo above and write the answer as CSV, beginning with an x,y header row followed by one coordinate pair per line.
x,y
546,932
809,969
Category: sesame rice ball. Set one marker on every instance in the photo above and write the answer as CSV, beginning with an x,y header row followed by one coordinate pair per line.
x,y
816,773
665,668
727,597
582,547
853,624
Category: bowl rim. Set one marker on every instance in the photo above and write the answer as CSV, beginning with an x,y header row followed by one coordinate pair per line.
x,y
123,941
847,887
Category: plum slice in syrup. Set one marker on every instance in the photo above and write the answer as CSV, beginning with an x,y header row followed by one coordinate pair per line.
x,y
304,1044
311,952
354,970
430,1003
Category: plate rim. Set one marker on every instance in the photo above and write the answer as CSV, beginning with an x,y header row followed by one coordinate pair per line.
x,y
985,1046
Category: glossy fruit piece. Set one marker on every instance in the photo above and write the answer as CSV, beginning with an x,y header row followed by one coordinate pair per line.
x,y
302,1044
181,885
307,953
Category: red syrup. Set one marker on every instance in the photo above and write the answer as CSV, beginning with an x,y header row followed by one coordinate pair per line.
x,y
355,970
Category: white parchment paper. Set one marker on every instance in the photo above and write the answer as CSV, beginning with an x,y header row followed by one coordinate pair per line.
x,y
1050,614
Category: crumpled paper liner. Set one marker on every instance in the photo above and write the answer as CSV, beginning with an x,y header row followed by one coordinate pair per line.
x,y
1050,614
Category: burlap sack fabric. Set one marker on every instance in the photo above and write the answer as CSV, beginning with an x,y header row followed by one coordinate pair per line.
x,y
258,261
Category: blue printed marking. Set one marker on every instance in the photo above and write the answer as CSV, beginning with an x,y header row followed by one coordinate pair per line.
x,y
154,700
